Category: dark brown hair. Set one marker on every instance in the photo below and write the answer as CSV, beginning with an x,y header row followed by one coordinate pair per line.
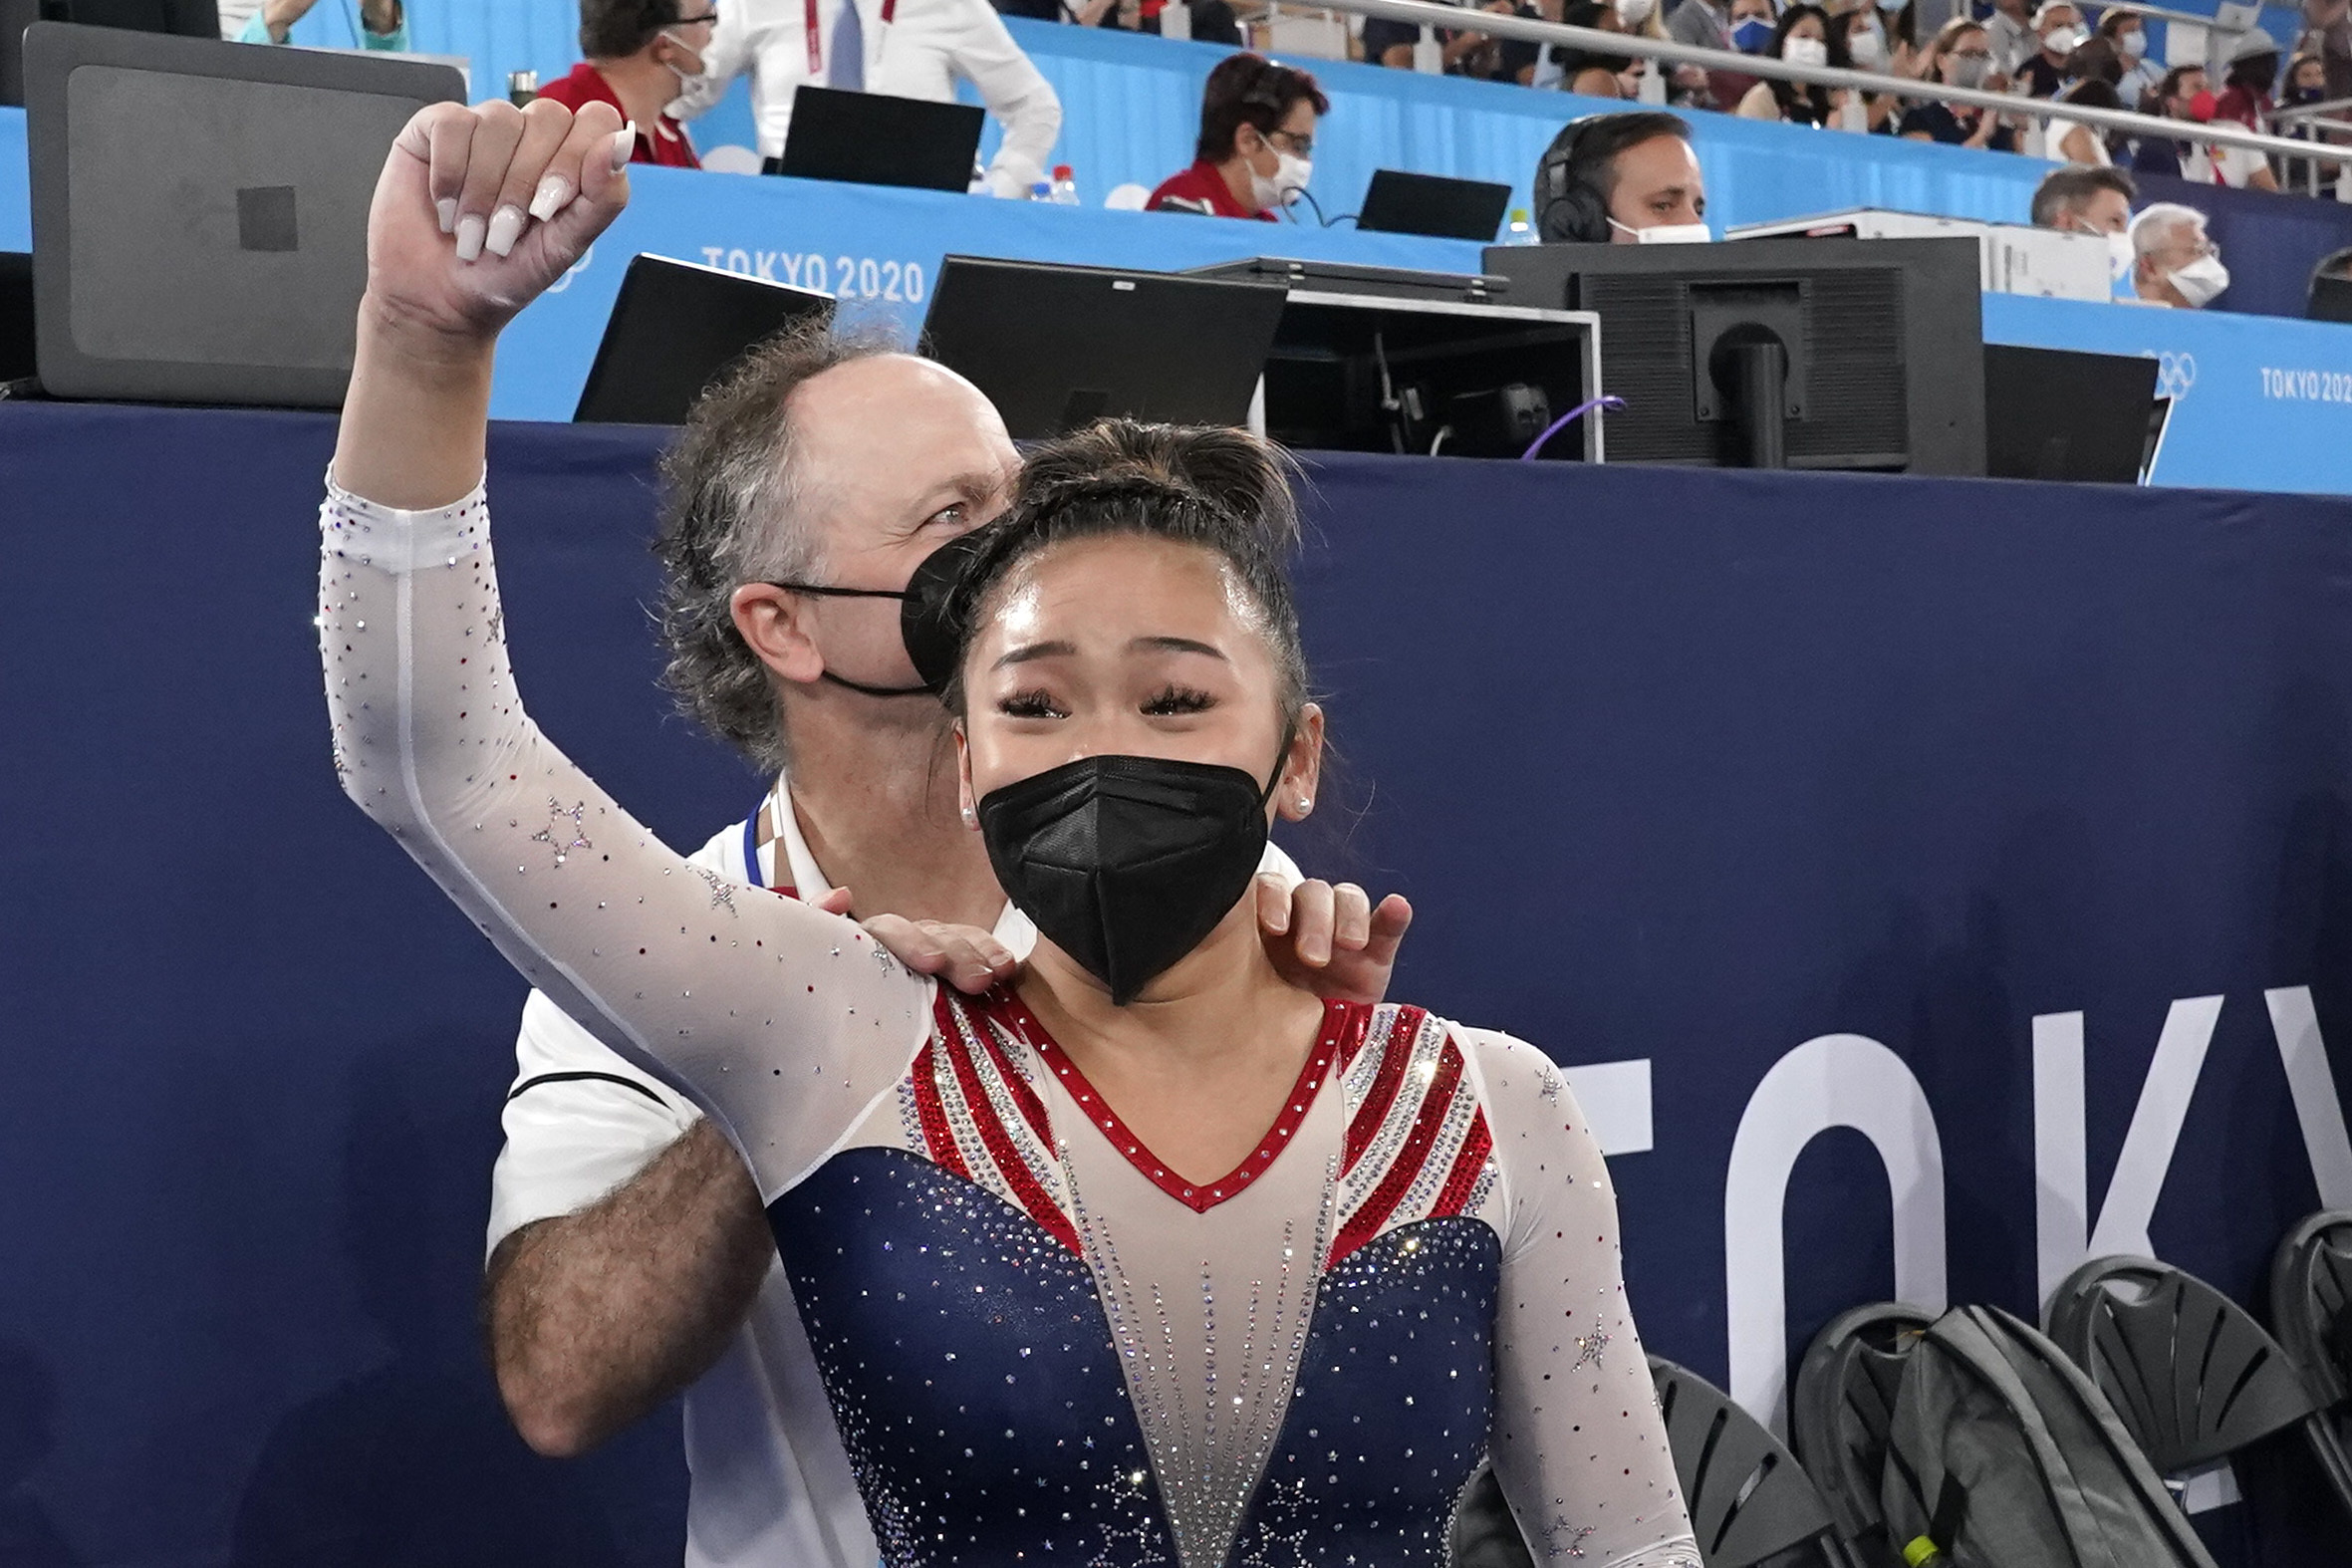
x,y
1220,489
611,29
1250,90
2066,190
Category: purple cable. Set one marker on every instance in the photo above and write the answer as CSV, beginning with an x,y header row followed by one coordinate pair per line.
x,y
1605,400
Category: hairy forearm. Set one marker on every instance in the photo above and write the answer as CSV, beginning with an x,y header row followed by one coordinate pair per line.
x,y
597,1317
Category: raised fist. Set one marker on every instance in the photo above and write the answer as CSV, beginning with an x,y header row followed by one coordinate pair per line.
x,y
479,209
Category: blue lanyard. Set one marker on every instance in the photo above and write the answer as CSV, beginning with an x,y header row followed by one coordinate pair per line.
x,y
751,843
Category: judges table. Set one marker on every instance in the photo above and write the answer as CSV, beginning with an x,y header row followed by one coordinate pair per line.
x,y
1826,826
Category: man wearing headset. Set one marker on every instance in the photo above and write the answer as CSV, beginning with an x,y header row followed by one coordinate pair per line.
x,y
1622,179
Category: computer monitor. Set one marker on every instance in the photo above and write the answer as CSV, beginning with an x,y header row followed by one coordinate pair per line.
x,y
1056,347
16,316
2057,413
200,211
676,329
872,138
1800,354
190,18
1404,204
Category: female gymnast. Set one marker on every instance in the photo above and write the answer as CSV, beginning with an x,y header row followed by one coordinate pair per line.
x,y
1146,1257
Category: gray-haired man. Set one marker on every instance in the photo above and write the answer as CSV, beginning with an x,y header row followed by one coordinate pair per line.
x,y
629,1253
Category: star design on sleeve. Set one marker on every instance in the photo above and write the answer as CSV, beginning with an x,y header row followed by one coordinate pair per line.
x,y
723,892
563,832
1589,1347
1551,1086
1563,1539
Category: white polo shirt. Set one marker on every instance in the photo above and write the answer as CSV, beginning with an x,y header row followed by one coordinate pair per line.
x,y
771,1482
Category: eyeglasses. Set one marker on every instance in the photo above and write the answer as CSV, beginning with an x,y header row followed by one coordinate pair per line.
x,y
1304,147
710,15
1969,54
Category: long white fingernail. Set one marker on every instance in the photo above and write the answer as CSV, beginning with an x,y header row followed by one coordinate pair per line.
x,y
506,226
447,208
549,201
624,147
470,231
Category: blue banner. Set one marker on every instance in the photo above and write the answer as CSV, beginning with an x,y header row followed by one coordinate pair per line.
x,y
1929,882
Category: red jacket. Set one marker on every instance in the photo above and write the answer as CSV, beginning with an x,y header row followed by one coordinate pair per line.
x,y
667,146
1200,189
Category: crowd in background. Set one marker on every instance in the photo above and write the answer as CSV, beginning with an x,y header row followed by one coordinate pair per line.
x,y
2095,57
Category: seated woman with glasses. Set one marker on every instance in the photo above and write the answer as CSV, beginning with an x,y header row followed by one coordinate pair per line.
x,y
1146,1255
1257,142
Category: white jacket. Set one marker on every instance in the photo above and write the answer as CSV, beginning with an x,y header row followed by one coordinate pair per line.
x,y
919,53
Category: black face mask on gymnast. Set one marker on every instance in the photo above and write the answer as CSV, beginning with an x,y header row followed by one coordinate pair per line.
x,y
922,623
1126,864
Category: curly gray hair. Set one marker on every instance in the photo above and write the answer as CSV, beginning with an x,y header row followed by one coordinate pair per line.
x,y
732,517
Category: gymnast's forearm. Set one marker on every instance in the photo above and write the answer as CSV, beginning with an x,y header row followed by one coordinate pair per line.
x,y
595,1318
417,417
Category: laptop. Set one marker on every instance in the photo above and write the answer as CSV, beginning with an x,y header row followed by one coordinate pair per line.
x,y
872,138
2059,414
676,328
200,211
1433,204
1056,347
189,18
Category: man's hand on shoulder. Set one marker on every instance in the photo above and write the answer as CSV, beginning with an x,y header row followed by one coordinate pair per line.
x,y
1331,940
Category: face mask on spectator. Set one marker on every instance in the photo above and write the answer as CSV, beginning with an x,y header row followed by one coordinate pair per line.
x,y
1868,46
1967,70
2120,257
2200,281
1805,52
1892,6
2134,44
2064,39
1634,13
1750,36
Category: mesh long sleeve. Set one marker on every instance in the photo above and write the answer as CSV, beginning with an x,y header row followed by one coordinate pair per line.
x,y
785,1024
1578,1444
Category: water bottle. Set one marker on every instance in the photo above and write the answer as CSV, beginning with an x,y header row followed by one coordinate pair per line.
x,y
521,87
1921,1552
1065,186
1520,231
1041,191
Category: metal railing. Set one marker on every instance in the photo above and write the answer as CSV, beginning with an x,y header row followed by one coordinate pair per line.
x,y
1459,19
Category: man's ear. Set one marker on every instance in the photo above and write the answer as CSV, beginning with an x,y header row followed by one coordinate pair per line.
x,y
771,620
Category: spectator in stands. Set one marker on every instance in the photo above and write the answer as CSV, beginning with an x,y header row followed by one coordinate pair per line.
x,y
1686,86
2176,96
1257,141
2246,101
641,55
2077,141
2175,262
2123,31
1864,39
1753,22
1801,39
1961,55
1483,56
1212,21
2327,33
1625,178
2010,34
383,24
1582,71
2305,80
2080,199
1703,24
1390,44
2058,30
912,49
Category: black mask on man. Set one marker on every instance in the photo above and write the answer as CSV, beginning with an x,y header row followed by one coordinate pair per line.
x,y
922,618
1127,863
